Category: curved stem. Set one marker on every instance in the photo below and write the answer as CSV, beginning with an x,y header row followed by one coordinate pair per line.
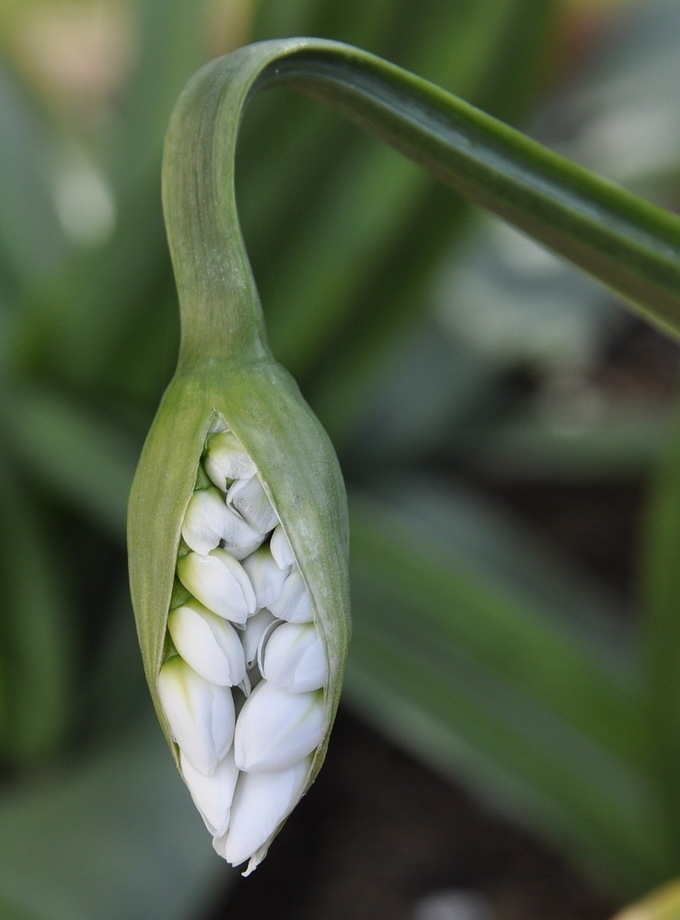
x,y
630,245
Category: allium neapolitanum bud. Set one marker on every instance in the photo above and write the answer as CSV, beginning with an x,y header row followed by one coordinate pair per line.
x,y
237,525
238,561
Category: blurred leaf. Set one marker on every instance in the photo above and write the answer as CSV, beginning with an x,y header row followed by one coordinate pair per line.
x,y
486,687
442,400
311,145
660,594
114,684
428,394
508,604
31,236
495,69
555,447
36,650
414,689
78,324
620,113
663,904
354,248
80,457
12,913
507,298
72,326
140,362
500,551
171,36
113,836
343,237
273,19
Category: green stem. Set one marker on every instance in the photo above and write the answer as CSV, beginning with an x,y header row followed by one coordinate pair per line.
x,y
625,242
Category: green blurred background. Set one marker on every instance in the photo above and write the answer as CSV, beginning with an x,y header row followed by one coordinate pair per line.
x,y
511,722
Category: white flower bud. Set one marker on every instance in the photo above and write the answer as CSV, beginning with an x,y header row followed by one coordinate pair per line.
x,y
294,659
293,604
275,728
227,460
266,576
205,520
251,636
281,549
261,802
239,538
248,497
200,714
247,745
212,794
208,643
219,582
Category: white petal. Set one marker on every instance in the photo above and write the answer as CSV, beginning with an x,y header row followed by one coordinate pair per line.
x,y
200,715
293,604
240,539
266,576
281,548
261,802
204,521
248,497
251,636
294,659
275,728
212,794
208,643
219,582
226,460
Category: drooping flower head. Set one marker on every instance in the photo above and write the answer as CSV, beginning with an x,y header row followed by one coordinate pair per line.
x,y
244,630
237,526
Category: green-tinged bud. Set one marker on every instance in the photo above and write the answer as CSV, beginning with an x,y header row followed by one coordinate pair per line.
x,y
219,582
208,643
277,729
200,714
293,658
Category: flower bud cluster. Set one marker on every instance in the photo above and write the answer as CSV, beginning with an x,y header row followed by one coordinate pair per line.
x,y
242,686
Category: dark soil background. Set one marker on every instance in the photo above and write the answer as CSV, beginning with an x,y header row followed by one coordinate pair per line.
x,y
378,833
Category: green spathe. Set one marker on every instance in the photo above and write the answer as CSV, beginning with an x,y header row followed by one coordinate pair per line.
x,y
262,405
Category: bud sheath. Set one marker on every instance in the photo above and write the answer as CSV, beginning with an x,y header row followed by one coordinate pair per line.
x,y
243,642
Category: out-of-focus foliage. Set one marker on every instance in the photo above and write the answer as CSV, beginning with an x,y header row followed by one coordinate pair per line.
x,y
662,904
486,655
